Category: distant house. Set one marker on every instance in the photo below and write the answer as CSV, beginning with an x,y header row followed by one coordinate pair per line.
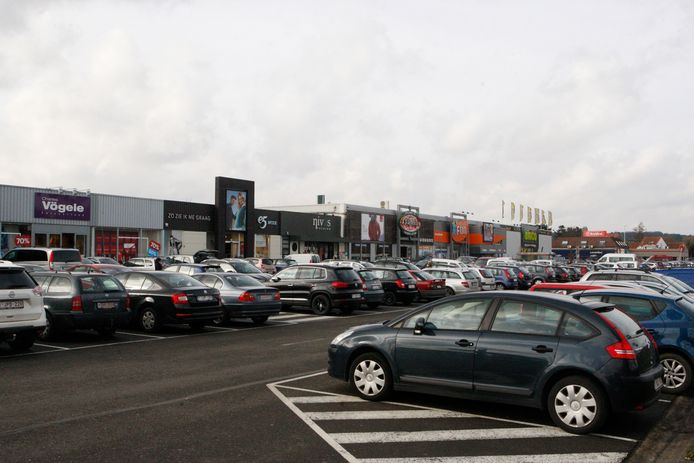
x,y
656,247
652,242
579,247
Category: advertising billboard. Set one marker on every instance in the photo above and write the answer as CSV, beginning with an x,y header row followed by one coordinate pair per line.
x,y
373,227
63,207
529,238
488,232
409,223
460,229
188,216
236,210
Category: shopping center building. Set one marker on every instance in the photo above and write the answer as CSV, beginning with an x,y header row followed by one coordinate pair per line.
x,y
124,227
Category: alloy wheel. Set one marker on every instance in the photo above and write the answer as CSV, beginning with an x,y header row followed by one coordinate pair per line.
x,y
575,405
675,373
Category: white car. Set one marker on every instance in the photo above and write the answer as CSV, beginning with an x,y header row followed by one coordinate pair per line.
x,y
487,279
446,263
457,280
22,315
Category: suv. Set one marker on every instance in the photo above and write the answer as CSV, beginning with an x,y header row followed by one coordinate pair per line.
x,y
54,258
21,307
321,287
83,301
540,273
398,285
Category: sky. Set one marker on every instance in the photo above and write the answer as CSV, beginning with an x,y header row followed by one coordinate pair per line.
x,y
585,109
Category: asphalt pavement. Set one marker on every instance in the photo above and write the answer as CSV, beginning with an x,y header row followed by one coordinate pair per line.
x,y
247,393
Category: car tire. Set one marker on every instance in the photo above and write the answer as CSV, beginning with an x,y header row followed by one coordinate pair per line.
x,y
106,332
221,320
573,414
370,377
500,286
449,291
22,340
148,320
320,304
48,332
389,298
260,319
373,305
678,373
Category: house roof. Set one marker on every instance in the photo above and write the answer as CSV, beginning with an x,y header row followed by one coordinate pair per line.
x,y
599,242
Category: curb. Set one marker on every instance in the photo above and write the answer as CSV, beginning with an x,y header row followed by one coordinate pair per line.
x,y
670,438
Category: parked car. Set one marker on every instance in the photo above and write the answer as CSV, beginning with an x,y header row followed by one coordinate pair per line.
x,y
540,273
304,258
397,263
320,287
83,301
142,263
574,273
440,263
398,285
523,274
182,258
245,267
243,296
109,269
373,289
21,307
505,277
263,264
561,274
53,258
159,298
348,263
193,269
624,260
669,319
457,280
563,288
521,348
281,264
486,277
637,275
203,254
429,286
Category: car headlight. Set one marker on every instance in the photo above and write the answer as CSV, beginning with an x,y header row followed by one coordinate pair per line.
x,y
341,337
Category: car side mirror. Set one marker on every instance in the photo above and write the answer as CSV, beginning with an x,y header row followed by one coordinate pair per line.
x,y
419,325
275,279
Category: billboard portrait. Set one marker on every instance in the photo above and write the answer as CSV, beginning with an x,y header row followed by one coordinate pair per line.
x,y
488,232
373,227
236,210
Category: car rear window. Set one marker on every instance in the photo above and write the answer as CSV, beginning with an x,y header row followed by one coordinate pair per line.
x,y
242,280
99,284
622,321
368,276
245,267
267,261
511,273
403,274
66,256
469,275
346,274
28,255
16,279
179,280
485,273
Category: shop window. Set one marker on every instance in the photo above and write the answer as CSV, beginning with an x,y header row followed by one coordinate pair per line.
x,y
41,240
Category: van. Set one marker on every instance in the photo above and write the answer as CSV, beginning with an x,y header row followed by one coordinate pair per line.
x,y
51,258
304,258
621,260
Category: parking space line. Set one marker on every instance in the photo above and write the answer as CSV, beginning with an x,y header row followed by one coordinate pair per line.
x,y
447,435
665,401
140,334
51,346
387,415
303,342
606,457
328,399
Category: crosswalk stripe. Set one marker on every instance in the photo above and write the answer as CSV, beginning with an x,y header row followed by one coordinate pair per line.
x,y
386,415
447,435
606,457
327,399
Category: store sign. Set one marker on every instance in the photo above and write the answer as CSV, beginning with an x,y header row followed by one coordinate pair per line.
x,y
595,234
153,248
22,241
61,207
310,227
267,222
460,229
410,223
529,238
442,237
488,232
179,215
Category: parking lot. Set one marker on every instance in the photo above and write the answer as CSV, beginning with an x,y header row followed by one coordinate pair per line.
x,y
258,393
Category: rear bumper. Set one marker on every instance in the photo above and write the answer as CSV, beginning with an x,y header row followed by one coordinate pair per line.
x,y
432,293
406,294
635,392
373,296
87,321
253,310
197,314
353,299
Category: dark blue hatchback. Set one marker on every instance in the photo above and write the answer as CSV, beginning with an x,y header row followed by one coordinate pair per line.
x,y
669,319
543,351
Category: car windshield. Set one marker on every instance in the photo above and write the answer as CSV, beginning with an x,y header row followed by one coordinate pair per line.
x,y
242,281
245,267
179,280
15,278
485,273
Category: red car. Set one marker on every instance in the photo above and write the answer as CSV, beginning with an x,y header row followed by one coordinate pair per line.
x,y
564,288
428,286
109,269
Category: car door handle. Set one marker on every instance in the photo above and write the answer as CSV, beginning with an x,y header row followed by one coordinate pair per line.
x,y
465,343
542,349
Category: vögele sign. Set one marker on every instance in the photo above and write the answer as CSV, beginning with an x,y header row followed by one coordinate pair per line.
x,y
63,207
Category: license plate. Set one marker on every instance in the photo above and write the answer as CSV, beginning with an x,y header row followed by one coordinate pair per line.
x,y
106,305
658,383
205,298
410,286
356,296
266,297
11,304
375,287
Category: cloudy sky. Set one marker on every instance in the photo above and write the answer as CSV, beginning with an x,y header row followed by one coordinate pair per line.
x,y
583,108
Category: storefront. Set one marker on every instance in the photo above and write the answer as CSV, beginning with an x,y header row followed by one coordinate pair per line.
x,y
311,233
268,237
189,227
487,239
235,203
370,233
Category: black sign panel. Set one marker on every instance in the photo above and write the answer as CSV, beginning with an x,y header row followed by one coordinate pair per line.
x,y
179,215
267,222
311,227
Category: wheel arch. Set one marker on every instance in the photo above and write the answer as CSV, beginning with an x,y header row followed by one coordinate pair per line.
x,y
365,350
670,349
558,375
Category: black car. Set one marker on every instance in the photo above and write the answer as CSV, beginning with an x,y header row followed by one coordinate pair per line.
x,y
83,301
524,275
243,296
561,274
398,285
542,351
193,269
373,289
321,287
540,273
395,263
203,254
162,297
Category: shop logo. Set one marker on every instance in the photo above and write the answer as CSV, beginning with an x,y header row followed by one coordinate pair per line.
x,y
322,224
22,240
410,223
263,222
56,206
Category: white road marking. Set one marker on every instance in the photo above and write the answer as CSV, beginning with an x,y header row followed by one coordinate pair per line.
x,y
606,457
665,401
140,334
386,415
607,436
303,342
51,346
327,399
448,435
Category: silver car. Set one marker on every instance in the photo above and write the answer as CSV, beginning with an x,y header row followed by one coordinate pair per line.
x,y
458,281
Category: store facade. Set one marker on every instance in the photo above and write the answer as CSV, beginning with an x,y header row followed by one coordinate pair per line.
x,y
188,227
311,233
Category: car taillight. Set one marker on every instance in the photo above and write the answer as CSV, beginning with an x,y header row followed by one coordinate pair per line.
x,y
76,304
246,297
521,275
507,275
50,261
37,291
277,296
426,284
179,298
466,284
339,284
399,283
621,349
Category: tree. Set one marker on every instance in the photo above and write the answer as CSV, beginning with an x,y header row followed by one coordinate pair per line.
x,y
690,246
639,230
